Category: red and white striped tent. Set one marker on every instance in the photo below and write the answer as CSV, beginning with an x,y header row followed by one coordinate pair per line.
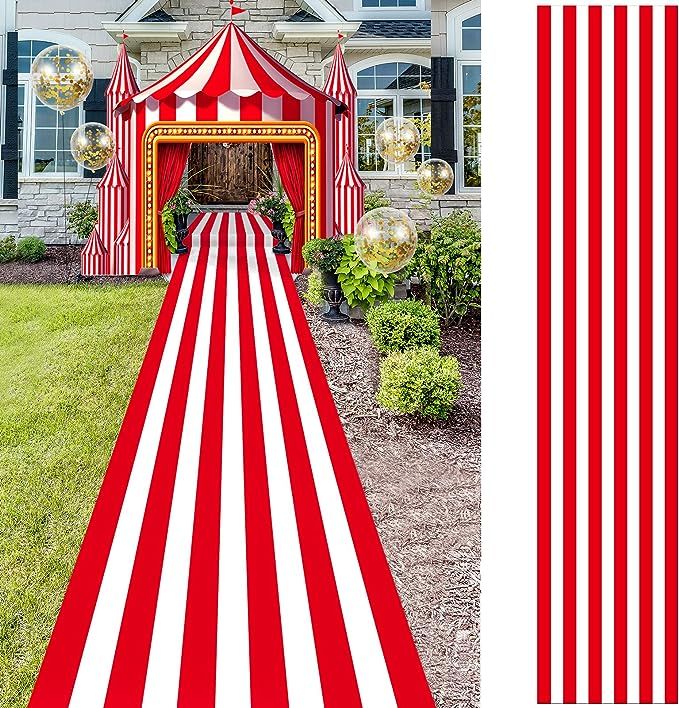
x,y
349,195
94,256
231,79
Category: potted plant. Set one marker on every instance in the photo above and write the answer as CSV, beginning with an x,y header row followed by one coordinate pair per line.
x,y
325,255
274,206
175,217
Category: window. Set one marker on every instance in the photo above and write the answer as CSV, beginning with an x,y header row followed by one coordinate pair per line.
x,y
388,3
388,90
44,145
464,33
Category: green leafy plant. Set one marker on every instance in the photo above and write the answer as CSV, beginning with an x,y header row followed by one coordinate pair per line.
x,y
420,382
183,202
403,324
362,287
375,200
31,249
270,204
82,218
323,254
169,228
289,220
8,249
314,290
450,264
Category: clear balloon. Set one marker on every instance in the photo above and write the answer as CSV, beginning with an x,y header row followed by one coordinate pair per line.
x,y
435,177
397,140
386,239
62,77
92,145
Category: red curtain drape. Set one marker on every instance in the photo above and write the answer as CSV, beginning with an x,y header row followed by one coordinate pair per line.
x,y
291,167
172,158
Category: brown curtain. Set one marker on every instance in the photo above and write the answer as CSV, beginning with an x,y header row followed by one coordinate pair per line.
x,y
290,162
172,158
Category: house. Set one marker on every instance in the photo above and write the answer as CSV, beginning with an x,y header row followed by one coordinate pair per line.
x,y
387,48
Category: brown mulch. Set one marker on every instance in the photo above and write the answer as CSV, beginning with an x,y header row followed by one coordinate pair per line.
x,y
422,481
60,266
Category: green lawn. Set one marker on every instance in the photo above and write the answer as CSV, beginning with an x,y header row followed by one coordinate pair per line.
x,y
69,356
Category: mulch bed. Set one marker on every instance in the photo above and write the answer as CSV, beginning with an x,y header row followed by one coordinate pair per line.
x,y
61,266
422,481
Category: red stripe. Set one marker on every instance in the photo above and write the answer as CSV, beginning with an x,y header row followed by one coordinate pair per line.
x,y
128,674
267,664
338,680
139,236
251,107
620,354
291,108
569,354
671,354
594,331
405,670
199,656
645,355
60,666
206,107
544,305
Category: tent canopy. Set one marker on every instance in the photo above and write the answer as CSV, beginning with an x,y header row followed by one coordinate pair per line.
x,y
232,66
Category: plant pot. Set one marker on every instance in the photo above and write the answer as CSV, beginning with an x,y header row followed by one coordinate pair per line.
x,y
181,222
332,293
356,314
280,237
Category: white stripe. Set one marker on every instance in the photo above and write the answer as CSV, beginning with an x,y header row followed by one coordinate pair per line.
x,y
557,356
199,79
582,357
633,356
658,152
607,356
307,111
228,108
371,671
301,667
272,108
186,109
162,676
233,647
95,666
152,111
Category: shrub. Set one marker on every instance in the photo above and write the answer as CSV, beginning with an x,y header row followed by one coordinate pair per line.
x,y
289,221
314,291
31,249
419,382
361,286
169,228
323,254
8,249
375,200
450,263
403,324
82,218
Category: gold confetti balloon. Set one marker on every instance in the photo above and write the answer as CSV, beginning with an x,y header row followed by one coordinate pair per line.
x,y
397,140
62,77
92,145
435,177
386,239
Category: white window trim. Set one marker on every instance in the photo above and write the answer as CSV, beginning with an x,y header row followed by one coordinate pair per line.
x,y
387,13
28,129
398,101
455,18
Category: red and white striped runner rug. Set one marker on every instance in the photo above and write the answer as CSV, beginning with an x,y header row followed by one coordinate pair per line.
x,y
607,354
231,558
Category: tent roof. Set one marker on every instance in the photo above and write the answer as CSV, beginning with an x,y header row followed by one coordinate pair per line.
x,y
231,62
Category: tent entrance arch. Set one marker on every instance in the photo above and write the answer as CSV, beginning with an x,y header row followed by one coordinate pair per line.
x,y
299,132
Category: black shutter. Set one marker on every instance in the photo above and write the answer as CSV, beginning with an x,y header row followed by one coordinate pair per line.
x,y
10,149
95,112
443,110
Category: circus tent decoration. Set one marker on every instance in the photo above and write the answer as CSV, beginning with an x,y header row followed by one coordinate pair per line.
x,y
349,196
95,257
231,79
349,188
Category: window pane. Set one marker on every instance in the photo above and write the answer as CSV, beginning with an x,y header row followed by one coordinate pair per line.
x,y
471,125
471,79
472,172
44,161
45,139
388,69
21,112
471,39
472,21
472,110
371,112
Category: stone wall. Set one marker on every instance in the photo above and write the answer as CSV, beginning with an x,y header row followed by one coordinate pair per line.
x,y
8,217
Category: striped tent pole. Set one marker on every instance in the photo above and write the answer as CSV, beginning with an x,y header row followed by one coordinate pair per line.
x,y
340,86
122,264
349,195
114,188
94,257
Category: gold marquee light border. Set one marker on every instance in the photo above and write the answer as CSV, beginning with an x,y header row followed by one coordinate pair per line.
x,y
226,132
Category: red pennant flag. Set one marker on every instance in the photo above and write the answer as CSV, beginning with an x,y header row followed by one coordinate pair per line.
x,y
236,10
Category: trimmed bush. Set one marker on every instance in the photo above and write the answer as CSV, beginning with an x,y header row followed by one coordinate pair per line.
x,y
82,218
8,249
314,290
375,200
403,324
420,382
323,254
31,249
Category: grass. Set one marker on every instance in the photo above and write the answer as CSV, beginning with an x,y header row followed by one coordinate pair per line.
x,y
69,356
